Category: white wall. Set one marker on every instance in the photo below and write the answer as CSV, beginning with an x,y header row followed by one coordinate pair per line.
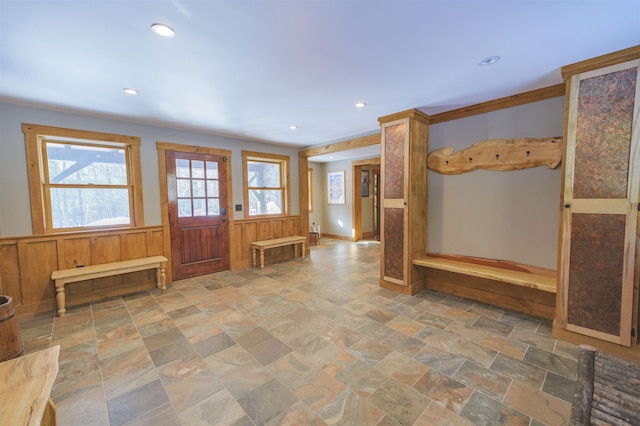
x,y
499,215
337,218
15,211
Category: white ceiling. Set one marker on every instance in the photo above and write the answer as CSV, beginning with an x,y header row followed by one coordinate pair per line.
x,y
251,68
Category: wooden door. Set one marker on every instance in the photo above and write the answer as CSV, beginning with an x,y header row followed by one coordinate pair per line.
x,y
197,198
602,180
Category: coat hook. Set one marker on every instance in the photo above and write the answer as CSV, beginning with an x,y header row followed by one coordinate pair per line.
x,y
497,156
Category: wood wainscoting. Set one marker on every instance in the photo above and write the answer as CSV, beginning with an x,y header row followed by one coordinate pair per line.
x,y
26,264
246,231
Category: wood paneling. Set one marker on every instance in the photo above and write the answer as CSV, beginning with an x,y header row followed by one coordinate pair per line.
x,y
26,264
244,232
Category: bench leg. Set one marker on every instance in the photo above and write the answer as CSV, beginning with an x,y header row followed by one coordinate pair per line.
x,y
161,278
253,256
261,257
303,251
60,297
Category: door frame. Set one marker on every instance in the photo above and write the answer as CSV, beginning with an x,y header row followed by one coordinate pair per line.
x,y
303,165
162,148
356,202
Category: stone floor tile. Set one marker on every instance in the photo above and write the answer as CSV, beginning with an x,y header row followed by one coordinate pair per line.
x,y
267,402
349,408
559,386
369,351
317,389
552,362
479,354
436,415
269,351
507,346
361,378
483,379
220,409
136,403
484,411
400,402
402,368
537,404
442,361
519,370
444,391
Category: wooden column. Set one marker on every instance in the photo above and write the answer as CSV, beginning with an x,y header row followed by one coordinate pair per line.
x,y
597,303
403,216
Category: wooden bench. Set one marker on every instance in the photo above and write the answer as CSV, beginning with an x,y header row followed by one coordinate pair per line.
x,y
497,270
66,276
276,242
515,286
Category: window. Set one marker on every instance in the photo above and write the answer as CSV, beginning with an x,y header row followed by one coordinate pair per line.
x,y
82,180
266,183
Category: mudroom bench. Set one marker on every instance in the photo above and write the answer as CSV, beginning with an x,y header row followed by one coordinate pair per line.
x,y
261,246
66,276
511,285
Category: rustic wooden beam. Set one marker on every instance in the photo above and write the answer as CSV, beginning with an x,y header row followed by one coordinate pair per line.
x,y
498,154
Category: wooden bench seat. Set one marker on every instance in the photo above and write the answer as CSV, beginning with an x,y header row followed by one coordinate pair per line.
x,y
276,242
503,271
65,276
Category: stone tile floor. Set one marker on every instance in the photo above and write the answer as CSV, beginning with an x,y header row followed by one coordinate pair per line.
x,y
312,341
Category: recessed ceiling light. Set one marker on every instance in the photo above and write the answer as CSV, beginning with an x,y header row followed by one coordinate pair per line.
x,y
130,91
293,127
360,105
163,30
489,60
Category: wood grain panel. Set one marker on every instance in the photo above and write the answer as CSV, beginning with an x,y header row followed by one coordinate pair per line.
x,y
264,230
37,260
154,243
105,249
134,245
10,269
75,251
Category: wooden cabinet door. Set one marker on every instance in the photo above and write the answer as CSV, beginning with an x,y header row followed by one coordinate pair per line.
x,y
601,186
394,155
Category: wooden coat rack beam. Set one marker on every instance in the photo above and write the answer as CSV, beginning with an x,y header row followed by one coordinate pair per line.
x,y
498,154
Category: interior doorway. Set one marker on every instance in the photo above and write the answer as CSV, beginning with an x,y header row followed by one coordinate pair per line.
x,y
365,219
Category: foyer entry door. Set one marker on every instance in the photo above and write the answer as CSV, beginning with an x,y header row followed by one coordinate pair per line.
x,y
197,197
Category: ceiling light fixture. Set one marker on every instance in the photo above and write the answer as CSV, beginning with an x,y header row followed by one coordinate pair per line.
x,y
360,105
293,127
163,30
489,60
130,91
